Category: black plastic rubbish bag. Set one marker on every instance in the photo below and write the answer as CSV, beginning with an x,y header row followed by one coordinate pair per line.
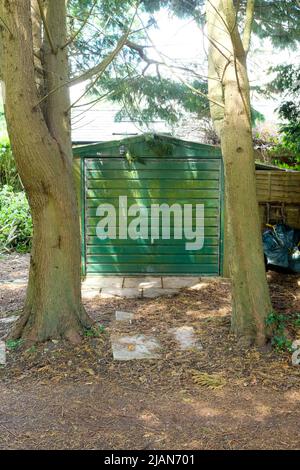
x,y
281,245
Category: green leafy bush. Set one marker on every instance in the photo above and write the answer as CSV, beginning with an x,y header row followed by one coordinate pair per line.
x,y
287,84
15,221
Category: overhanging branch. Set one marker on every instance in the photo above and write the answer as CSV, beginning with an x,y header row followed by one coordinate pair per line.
x,y
97,70
181,79
140,50
102,66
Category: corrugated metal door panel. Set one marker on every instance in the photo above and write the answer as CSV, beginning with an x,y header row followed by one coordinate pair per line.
x,y
152,181
105,164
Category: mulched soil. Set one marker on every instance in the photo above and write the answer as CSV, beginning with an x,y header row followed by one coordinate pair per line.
x,y
58,396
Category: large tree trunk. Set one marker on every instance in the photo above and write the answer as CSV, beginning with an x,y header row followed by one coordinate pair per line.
x,y
42,149
228,84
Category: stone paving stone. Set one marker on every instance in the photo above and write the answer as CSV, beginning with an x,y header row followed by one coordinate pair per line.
x,y
90,286
18,282
130,293
2,353
90,294
157,292
186,338
124,316
199,286
295,355
140,282
127,348
170,282
103,281
8,320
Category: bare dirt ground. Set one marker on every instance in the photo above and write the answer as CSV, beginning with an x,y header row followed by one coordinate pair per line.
x,y
56,396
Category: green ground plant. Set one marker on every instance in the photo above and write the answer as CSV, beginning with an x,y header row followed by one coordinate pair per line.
x,y
95,331
13,344
280,325
8,171
15,221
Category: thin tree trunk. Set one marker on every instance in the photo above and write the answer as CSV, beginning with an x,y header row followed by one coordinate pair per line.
x,y
227,59
42,150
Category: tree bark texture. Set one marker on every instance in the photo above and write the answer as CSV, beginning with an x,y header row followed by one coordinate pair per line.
x,y
42,148
228,83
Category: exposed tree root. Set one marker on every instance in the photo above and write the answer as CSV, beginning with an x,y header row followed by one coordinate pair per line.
x,y
19,326
26,328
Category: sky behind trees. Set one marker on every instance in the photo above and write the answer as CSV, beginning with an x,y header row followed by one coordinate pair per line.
x,y
182,42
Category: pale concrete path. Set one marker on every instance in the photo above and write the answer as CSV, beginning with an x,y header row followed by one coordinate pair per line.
x,y
133,345
130,287
137,286
15,268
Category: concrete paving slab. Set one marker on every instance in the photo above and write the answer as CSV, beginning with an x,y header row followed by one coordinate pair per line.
x,y
90,294
170,282
158,292
130,293
14,282
103,281
124,316
2,353
85,288
143,282
132,347
199,286
8,320
295,355
137,286
186,338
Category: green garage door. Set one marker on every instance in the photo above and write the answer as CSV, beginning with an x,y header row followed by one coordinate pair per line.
x,y
153,237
